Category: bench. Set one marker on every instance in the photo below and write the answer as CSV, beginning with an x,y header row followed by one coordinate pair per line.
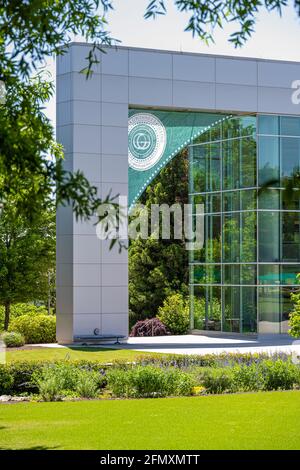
x,y
97,338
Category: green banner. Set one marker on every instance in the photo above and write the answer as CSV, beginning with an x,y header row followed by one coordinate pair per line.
x,y
155,137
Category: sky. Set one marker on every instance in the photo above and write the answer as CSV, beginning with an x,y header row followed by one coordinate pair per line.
x,y
275,37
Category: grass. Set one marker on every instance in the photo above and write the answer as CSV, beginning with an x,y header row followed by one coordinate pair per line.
x,y
269,420
74,353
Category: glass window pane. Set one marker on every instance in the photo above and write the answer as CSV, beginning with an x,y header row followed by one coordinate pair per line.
x,y
248,163
207,274
249,312
199,307
289,125
289,274
231,128
247,125
248,237
269,274
207,308
269,199
231,164
232,274
215,202
248,274
232,309
231,201
290,202
211,250
290,156
215,133
214,310
199,171
231,238
248,199
268,160
269,309
268,125
214,167
291,236
269,236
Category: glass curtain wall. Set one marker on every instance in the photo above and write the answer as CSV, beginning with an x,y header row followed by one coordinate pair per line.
x,y
242,277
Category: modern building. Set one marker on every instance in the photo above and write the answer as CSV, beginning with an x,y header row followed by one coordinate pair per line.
x,y
240,120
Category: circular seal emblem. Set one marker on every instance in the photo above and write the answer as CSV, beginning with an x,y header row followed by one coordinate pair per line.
x,y
147,139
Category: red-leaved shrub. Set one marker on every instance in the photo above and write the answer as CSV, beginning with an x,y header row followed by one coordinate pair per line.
x,y
149,327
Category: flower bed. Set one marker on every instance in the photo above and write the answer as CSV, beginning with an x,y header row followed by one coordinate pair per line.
x,y
150,377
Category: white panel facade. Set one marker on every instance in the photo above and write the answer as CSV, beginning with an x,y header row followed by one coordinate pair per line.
x,y
92,120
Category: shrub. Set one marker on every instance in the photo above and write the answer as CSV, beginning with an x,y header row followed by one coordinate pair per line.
x,y
142,382
248,378
87,384
36,329
65,375
22,373
13,339
26,373
55,381
6,380
19,309
218,380
50,388
175,314
151,327
266,375
279,374
294,320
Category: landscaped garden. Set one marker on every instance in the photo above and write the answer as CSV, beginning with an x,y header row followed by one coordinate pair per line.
x,y
148,376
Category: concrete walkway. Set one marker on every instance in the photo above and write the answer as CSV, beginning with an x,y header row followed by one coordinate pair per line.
x,y
196,344
200,344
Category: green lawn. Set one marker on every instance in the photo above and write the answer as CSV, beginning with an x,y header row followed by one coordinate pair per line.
x,y
269,420
48,354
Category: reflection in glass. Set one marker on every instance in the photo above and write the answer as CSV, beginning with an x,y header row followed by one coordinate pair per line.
x,y
232,311
207,308
249,311
268,125
269,274
243,276
248,236
290,126
269,309
290,157
207,274
268,160
289,274
269,199
269,236
290,236
231,238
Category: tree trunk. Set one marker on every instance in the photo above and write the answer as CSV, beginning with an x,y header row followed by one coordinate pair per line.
x,y
7,315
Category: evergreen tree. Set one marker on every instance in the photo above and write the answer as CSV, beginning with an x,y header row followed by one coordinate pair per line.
x,y
159,267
